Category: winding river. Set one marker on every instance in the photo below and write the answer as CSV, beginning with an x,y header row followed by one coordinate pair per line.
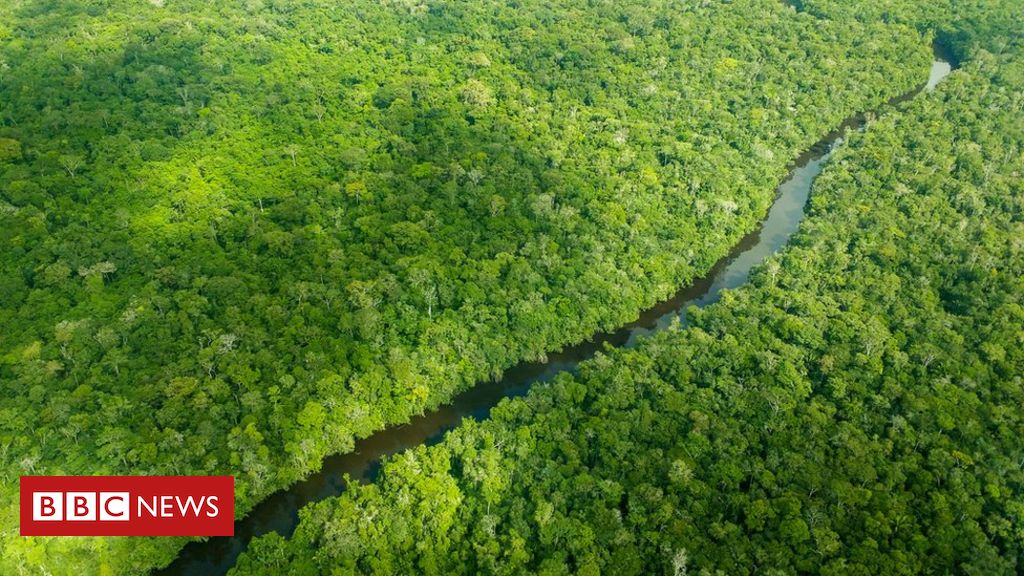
x,y
280,511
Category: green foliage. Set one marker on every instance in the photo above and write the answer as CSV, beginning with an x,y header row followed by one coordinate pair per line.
x,y
962,25
10,150
237,236
854,410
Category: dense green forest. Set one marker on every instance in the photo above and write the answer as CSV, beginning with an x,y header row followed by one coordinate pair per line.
x,y
239,235
856,409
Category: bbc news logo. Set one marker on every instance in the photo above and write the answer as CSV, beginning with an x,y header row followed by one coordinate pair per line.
x,y
81,506
127,505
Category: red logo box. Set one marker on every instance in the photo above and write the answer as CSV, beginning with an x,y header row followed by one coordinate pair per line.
x,y
127,505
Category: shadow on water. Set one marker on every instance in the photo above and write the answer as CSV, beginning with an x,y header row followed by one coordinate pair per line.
x,y
280,512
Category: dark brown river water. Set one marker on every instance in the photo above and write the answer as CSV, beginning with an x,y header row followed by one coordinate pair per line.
x,y
280,512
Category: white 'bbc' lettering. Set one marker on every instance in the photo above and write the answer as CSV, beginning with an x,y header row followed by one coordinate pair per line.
x,y
82,506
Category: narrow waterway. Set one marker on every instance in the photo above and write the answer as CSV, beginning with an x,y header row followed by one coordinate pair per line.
x,y
280,512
